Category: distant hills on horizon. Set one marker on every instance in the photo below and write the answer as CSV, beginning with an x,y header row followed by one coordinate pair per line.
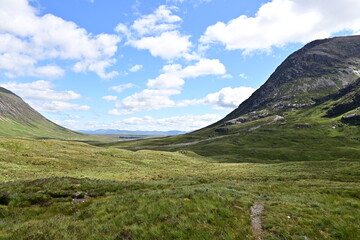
x,y
128,132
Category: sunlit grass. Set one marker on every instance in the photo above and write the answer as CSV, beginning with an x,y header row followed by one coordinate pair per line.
x,y
168,195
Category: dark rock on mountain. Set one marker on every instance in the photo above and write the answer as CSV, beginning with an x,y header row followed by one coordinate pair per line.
x,y
309,75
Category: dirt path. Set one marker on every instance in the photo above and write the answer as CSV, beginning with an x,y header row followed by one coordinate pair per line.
x,y
277,118
187,143
195,142
256,224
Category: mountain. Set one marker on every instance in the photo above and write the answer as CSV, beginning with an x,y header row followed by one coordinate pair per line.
x,y
126,132
307,77
18,119
308,110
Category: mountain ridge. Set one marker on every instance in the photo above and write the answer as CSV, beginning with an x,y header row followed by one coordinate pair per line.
x,y
19,119
308,110
320,68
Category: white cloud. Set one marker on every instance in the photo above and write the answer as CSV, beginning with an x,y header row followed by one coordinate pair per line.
x,y
146,100
168,45
42,97
170,79
32,39
110,98
120,88
57,106
136,68
195,2
183,123
158,33
174,74
243,75
154,99
49,71
164,86
160,21
227,76
40,90
96,66
228,97
204,67
285,21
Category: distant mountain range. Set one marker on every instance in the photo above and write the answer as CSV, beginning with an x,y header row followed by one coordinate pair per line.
x,y
126,132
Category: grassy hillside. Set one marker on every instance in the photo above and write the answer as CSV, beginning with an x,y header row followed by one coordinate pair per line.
x,y
18,119
301,135
66,190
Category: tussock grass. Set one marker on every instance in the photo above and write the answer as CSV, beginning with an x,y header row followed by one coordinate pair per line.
x,y
68,190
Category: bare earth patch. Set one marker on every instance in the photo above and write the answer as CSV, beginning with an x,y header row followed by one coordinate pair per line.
x,y
256,211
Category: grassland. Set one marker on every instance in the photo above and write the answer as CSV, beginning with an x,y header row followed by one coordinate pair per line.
x,y
304,135
69,190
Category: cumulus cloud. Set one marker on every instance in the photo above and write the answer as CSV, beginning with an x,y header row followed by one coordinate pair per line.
x,y
98,67
42,97
160,21
228,98
120,88
243,75
136,68
110,98
57,106
185,123
146,100
154,99
40,90
158,33
164,86
174,74
227,76
146,123
285,21
168,45
30,39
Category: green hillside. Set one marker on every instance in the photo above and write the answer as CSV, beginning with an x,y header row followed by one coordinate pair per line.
x,y
18,119
301,135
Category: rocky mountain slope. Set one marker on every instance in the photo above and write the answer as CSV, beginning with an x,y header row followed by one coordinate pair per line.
x,y
308,110
309,76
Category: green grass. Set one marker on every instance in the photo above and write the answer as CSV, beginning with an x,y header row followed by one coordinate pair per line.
x,y
168,195
45,130
304,169
304,135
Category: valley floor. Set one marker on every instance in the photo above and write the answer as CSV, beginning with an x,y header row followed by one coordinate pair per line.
x,y
68,190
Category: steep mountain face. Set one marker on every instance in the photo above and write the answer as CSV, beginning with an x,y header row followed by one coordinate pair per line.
x,y
12,107
308,110
305,78
18,119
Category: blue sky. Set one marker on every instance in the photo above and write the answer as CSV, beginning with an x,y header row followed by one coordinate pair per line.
x,y
154,65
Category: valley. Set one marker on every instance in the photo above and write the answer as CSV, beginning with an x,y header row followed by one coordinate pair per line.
x,y
284,165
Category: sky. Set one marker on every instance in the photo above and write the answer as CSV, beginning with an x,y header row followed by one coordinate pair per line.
x,y
154,64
